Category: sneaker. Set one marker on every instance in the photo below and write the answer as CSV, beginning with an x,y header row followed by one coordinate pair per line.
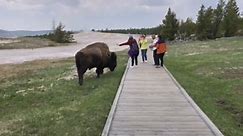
x,y
146,61
157,66
131,66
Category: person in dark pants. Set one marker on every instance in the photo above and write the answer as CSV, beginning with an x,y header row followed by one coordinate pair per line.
x,y
161,59
133,51
154,49
161,49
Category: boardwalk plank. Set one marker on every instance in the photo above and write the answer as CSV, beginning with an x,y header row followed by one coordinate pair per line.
x,y
152,104
155,113
160,133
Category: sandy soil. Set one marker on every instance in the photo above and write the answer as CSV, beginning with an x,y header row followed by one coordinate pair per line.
x,y
83,39
4,41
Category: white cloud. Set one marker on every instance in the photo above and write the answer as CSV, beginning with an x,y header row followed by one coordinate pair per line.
x,y
155,3
78,14
18,5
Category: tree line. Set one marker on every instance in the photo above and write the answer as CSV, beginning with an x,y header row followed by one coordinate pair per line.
x,y
152,30
223,21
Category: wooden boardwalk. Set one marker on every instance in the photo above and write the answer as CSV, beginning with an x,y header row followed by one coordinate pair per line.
x,y
150,102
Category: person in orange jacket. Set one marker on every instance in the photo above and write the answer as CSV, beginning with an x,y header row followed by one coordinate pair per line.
x,y
161,49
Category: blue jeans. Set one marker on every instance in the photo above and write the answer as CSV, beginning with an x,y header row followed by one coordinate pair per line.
x,y
144,54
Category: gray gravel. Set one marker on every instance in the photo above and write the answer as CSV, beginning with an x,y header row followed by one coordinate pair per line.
x,y
83,39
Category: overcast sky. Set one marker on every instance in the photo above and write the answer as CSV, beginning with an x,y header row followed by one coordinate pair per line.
x,y
97,14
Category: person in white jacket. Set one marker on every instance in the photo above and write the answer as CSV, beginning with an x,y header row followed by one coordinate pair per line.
x,y
155,39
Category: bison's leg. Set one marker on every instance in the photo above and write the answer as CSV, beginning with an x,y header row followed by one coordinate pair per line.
x,y
102,71
99,71
81,71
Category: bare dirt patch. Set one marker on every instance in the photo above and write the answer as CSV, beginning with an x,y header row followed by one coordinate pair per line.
x,y
5,127
5,41
17,70
27,42
232,73
239,89
192,54
237,113
83,39
72,73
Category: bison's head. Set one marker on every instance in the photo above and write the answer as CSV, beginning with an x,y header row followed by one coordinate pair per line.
x,y
112,61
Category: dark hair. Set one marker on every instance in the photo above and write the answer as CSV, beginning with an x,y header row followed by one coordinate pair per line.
x,y
130,37
161,39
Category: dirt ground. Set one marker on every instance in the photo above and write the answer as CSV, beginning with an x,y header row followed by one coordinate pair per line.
x,y
4,41
83,39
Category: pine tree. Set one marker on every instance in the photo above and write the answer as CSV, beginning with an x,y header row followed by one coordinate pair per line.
x,y
201,24
218,18
241,27
208,18
231,18
60,35
186,29
170,25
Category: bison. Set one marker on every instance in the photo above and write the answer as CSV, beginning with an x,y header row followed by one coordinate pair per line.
x,y
95,55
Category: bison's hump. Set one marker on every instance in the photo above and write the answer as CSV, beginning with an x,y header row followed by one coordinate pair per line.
x,y
101,45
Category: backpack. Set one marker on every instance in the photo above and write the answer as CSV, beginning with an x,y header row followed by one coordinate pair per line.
x,y
134,50
134,47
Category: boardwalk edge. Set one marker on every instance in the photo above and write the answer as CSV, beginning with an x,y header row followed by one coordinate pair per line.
x,y
204,117
114,105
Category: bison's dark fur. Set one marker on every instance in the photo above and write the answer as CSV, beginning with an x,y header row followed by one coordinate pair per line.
x,y
95,55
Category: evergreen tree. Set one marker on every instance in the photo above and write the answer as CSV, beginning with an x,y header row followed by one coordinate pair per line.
x,y
182,30
218,18
208,19
187,28
201,24
152,30
231,18
241,26
170,25
60,35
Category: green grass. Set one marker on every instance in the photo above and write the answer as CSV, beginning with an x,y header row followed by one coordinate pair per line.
x,y
212,74
36,99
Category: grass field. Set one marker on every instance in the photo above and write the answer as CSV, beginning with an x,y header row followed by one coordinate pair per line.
x,y
212,74
37,99
28,43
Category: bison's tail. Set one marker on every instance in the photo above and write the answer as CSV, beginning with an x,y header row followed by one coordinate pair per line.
x,y
78,58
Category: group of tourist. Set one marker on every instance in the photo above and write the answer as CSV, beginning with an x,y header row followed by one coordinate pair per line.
x,y
158,46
